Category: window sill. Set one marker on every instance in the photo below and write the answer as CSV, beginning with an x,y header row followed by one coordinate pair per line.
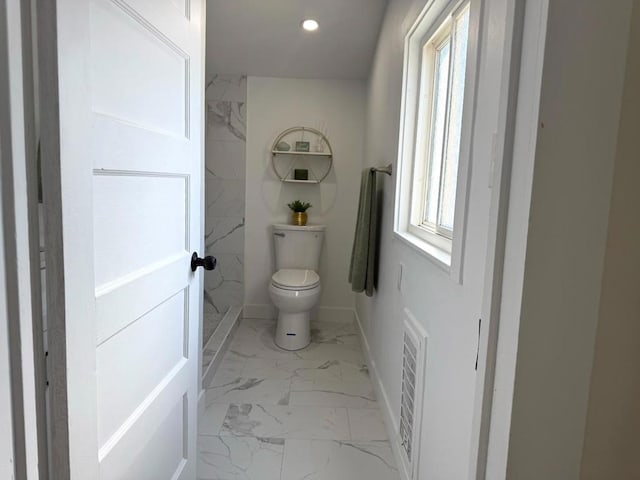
x,y
436,255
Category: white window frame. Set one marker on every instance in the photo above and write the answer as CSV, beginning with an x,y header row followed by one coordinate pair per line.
x,y
441,247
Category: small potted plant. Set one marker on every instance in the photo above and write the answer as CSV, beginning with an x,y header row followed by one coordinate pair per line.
x,y
299,209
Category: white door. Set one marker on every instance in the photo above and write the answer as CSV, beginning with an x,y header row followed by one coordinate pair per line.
x,y
130,89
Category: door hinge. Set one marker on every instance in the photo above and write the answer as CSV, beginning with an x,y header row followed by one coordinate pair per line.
x,y
46,368
478,348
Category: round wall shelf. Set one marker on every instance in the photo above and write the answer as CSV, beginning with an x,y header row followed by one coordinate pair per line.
x,y
301,155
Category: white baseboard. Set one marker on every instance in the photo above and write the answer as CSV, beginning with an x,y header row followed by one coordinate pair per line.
x,y
260,311
385,406
336,314
332,314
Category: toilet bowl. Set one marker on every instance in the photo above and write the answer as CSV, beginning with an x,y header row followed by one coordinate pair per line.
x,y
295,286
294,292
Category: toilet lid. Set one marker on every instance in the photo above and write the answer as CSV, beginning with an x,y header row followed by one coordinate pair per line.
x,y
294,279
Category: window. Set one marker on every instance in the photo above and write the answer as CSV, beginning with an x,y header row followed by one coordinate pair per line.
x,y
433,129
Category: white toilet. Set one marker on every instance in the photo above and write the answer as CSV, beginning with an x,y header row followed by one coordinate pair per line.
x,y
295,286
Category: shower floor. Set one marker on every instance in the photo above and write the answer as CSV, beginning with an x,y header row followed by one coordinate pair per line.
x,y
277,415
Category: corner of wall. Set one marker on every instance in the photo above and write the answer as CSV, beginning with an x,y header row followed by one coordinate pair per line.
x,y
613,418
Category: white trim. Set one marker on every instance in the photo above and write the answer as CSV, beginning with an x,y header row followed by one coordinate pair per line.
x,y
389,418
496,238
507,61
446,33
428,234
496,413
432,253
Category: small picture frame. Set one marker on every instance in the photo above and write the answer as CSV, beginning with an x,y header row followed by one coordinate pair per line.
x,y
300,174
302,146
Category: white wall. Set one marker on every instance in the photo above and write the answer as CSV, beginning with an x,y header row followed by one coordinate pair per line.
x,y
582,81
561,244
448,310
379,315
273,105
613,421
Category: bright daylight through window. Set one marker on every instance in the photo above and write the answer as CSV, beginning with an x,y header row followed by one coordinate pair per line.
x,y
437,59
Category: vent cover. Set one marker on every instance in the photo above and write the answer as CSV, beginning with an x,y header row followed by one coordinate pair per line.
x,y
408,394
413,367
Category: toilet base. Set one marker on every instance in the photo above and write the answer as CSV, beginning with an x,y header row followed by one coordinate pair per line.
x,y
293,331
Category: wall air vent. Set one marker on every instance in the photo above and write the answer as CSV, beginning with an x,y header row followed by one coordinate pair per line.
x,y
408,394
413,367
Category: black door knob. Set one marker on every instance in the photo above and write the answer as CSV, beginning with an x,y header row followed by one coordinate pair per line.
x,y
208,263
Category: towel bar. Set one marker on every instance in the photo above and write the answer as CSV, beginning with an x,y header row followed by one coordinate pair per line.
x,y
388,169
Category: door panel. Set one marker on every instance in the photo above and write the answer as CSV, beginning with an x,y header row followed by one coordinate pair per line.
x,y
131,214
146,85
118,307
166,447
137,364
161,425
130,147
130,80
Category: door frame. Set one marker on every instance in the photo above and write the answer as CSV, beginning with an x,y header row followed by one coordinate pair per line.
x,y
51,190
21,299
514,156
9,294
500,185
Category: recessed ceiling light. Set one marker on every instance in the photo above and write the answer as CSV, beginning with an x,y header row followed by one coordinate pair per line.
x,y
310,25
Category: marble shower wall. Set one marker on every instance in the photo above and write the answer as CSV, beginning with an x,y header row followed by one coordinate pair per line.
x,y
226,97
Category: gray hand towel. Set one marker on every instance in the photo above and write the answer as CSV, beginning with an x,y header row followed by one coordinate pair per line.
x,y
363,256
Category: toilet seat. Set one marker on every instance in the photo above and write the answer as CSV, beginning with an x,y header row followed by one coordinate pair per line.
x,y
295,279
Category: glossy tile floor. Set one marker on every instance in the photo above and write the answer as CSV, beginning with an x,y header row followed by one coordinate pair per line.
x,y
278,415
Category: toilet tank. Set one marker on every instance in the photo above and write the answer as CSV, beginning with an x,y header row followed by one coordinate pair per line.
x,y
298,247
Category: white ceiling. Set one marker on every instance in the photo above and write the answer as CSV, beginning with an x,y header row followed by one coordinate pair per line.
x,y
264,38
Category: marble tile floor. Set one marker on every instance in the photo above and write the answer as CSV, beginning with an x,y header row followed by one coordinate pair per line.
x,y
277,415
